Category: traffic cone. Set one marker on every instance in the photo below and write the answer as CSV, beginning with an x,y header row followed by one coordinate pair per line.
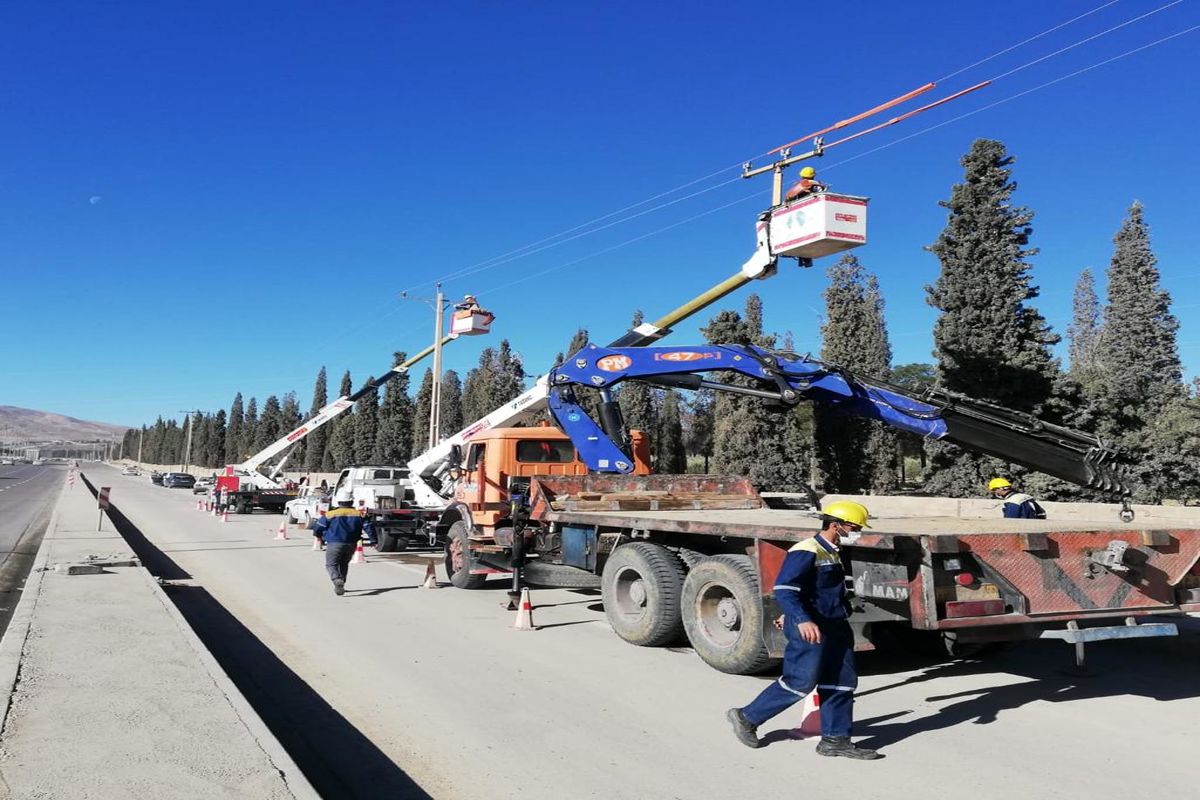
x,y
214,508
225,515
199,505
810,716
430,578
282,534
359,556
524,621
316,543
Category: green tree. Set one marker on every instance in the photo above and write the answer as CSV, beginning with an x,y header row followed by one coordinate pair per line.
x,y
318,440
990,342
856,455
669,455
497,379
394,445
476,395
1084,331
1138,399
915,376
637,402
250,430
339,452
750,437
698,426
451,418
422,409
270,424
214,456
233,432
366,425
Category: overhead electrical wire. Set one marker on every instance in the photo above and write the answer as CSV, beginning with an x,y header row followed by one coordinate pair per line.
x,y
549,242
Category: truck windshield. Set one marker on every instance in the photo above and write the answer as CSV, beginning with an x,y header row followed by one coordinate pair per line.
x,y
555,451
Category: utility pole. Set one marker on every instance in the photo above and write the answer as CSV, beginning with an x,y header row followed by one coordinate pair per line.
x,y
141,433
187,448
435,395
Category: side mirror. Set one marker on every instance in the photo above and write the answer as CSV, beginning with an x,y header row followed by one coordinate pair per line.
x,y
455,457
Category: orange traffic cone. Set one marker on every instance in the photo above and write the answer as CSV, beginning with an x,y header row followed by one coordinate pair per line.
x,y
810,716
430,578
199,505
225,515
282,534
316,543
359,556
524,621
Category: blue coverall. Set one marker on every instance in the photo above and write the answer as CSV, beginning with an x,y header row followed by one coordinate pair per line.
x,y
811,588
1022,506
341,528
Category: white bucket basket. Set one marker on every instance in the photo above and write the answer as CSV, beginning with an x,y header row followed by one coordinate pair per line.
x,y
468,323
818,225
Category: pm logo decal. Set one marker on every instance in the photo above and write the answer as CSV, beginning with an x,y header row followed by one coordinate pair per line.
x,y
614,363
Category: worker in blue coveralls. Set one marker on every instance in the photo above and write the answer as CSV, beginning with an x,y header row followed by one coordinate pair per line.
x,y
811,591
1017,505
341,528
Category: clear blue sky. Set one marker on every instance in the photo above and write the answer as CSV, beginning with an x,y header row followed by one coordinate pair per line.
x,y
200,199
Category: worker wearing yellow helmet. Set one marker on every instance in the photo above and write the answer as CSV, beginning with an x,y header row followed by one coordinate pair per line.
x,y
811,591
805,186
1017,505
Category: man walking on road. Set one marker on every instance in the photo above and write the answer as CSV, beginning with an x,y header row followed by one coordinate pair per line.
x,y
811,590
341,528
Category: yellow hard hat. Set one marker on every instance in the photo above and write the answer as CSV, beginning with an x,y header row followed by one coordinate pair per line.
x,y
808,172
847,511
998,483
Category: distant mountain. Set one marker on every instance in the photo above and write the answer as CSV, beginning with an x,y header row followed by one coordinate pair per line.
x,y
25,424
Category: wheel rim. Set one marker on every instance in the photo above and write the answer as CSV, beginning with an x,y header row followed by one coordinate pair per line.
x,y
719,614
630,594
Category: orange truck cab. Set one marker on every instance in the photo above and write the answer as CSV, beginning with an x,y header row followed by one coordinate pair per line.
x,y
496,469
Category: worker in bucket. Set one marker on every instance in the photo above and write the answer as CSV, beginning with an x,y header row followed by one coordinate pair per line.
x,y
811,591
805,186
1017,505
469,304
341,529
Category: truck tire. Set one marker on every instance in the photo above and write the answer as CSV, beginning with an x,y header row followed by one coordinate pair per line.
x,y
241,507
558,576
386,542
458,558
641,587
722,614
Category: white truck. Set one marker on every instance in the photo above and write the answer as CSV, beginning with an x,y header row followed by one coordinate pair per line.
x,y
384,495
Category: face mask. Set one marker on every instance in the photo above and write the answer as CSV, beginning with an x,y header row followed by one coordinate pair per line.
x,y
849,537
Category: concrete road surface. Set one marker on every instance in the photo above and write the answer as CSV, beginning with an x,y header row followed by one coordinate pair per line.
x,y
26,492
395,691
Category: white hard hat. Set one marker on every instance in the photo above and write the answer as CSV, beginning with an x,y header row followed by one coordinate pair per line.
x,y
344,495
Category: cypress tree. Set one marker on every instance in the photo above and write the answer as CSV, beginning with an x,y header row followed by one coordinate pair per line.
x,y
1084,331
637,403
1138,398
366,425
233,432
317,441
215,455
394,444
476,396
290,419
339,450
422,408
698,428
451,418
990,343
250,430
270,424
510,376
669,455
856,455
750,437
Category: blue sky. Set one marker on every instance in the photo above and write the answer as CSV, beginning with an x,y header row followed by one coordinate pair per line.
x,y
200,199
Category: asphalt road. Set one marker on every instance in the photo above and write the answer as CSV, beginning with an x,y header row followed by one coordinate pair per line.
x,y
26,497
394,691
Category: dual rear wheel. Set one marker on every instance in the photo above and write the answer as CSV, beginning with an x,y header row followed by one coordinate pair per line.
x,y
654,597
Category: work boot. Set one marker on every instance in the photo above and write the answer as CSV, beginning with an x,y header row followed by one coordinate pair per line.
x,y
339,587
842,746
742,729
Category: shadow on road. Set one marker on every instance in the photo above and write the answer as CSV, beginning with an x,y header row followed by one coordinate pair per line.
x,y
337,759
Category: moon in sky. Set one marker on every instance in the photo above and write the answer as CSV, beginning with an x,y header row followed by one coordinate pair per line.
x,y
94,199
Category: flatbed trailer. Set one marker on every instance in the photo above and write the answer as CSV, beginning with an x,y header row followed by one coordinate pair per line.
x,y
708,550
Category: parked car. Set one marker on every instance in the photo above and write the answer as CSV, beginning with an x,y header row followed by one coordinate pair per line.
x,y
156,478
203,485
131,471
178,480
308,505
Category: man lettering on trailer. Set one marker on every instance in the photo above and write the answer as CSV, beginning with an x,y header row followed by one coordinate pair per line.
x,y
811,590
341,529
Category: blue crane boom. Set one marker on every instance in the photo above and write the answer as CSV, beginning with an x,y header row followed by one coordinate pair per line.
x,y
785,379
